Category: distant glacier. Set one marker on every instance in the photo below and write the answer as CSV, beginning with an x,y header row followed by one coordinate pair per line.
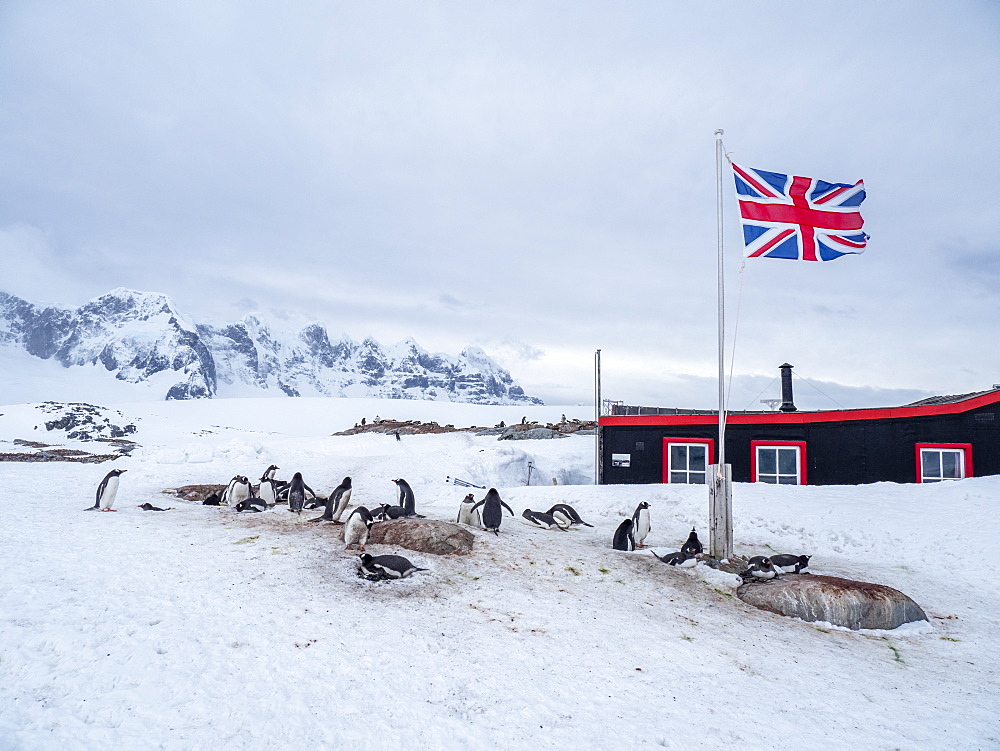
x,y
141,337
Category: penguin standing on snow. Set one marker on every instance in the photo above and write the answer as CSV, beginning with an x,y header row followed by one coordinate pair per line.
x,y
790,564
406,500
624,539
336,504
386,567
566,515
760,567
107,491
297,493
640,524
540,519
240,491
693,545
268,491
359,524
493,507
466,515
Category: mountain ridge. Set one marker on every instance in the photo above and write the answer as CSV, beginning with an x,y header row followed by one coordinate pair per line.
x,y
142,336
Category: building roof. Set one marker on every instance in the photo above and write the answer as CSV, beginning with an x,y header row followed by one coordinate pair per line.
x,y
950,399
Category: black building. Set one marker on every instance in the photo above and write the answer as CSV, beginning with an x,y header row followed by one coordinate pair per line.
x,y
940,438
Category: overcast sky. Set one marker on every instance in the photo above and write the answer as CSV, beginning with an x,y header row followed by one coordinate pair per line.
x,y
535,178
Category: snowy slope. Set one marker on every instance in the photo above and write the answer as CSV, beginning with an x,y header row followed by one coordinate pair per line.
x,y
200,628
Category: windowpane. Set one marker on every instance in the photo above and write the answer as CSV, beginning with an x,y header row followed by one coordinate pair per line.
x,y
697,458
697,478
787,480
950,465
767,461
930,462
678,456
680,477
787,462
773,479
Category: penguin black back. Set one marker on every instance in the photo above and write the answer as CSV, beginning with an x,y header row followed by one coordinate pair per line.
x,y
693,545
492,512
624,539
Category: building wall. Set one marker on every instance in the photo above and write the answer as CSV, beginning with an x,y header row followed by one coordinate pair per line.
x,y
837,453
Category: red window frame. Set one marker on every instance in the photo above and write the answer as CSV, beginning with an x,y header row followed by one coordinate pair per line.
x,y
965,448
665,473
803,479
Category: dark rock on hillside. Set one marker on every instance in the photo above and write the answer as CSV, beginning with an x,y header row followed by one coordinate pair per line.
x,y
842,602
423,536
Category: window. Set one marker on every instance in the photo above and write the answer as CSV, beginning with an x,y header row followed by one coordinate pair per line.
x,y
778,462
937,462
686,460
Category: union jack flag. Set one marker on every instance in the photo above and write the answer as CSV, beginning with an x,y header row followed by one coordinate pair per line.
x,y
799,218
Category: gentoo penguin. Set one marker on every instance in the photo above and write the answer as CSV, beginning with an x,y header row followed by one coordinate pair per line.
x,y
540,519
336,504
297,493
107,491
566,515
385,511
151,507
212,500
406,500
255,505
640,524
760,567
224,497
268,490
681,559
358,525
466,515
386,567
790,564
492,511
693,545
240,491
624,539
269,472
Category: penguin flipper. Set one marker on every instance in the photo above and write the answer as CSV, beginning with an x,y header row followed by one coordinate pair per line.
x,y
478,505
318,518
507,507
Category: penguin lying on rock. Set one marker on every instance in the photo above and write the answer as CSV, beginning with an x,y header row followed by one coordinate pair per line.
x,y
566,515
406,499
386,512
375,568
759,567
212,500
790,564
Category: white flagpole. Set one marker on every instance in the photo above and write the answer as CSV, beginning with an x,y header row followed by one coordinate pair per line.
x,y
720,491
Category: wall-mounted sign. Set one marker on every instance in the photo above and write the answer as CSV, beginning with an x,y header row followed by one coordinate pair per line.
x,y
621,460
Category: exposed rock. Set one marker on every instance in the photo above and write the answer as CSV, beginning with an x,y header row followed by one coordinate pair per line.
x,y
195,492
423,535
842,602
513,434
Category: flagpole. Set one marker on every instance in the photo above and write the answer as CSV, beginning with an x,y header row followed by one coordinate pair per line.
x,y
720,490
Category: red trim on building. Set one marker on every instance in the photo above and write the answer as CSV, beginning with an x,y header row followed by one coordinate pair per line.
x,y
965,448
793,418
665,472
803,480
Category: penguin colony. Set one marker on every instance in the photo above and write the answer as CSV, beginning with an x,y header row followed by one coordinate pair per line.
x,y
631,533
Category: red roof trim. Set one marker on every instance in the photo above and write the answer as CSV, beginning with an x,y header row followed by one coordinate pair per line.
x,y
794,418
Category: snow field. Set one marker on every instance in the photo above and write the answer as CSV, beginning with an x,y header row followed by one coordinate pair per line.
x,y
199,627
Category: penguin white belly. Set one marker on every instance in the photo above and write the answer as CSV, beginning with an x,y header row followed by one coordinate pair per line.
x,y
240,493
641,527
267,493
341,505
108,496
562,519
356,531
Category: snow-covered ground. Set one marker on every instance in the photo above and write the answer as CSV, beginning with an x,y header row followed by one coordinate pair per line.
x,y
202,628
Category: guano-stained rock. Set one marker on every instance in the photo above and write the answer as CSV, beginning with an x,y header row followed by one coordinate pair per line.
x,y
423,535
842,602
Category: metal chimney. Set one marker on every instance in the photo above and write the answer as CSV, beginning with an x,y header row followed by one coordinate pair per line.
x,y
787,405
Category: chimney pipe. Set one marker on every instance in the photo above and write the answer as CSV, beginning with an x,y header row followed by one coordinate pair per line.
x,y
787,405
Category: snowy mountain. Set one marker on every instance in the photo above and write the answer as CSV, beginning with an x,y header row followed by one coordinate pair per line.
x,y
141,338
